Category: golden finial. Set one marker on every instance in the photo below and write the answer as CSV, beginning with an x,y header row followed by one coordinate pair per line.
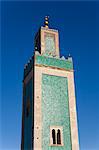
x,y
46,22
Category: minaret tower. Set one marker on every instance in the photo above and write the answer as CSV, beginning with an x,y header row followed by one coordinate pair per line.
x,y
49,120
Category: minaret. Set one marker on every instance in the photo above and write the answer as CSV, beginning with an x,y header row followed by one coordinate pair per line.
x,y
49,120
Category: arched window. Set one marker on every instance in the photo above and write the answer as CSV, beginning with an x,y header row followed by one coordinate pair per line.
x,y
58,137
53,136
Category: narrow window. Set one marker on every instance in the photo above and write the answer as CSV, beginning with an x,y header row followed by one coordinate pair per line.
x,y
27,107
24,90
58,137
53,136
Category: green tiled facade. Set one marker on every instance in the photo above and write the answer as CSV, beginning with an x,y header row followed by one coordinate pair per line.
x,y
55,110
54,62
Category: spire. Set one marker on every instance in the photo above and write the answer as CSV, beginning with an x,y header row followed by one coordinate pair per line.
x,y
46,22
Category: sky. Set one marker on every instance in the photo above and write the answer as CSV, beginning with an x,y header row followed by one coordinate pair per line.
x,y
78,25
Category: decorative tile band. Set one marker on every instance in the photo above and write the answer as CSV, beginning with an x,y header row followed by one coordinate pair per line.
x,y
54,62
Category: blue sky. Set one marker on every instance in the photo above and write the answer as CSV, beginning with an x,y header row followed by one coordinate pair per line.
x,y
78,25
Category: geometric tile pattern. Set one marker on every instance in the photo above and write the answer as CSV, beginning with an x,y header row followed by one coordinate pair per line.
x,y
55,110
54,62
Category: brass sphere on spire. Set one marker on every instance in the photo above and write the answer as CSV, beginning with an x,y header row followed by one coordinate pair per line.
x,y
46,22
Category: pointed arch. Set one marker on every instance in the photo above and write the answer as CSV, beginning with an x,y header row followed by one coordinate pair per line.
x,y
53,136
58,136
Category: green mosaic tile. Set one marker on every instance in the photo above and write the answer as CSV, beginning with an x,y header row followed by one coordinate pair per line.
x,y
49,43
55,110
54,62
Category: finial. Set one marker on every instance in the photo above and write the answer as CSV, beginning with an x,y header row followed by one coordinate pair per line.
x,y
69,55
46,21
